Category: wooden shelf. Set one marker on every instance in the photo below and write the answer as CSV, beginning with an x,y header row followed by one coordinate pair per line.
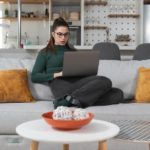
x,y
54,2
8,18
26,19
35,18
8,1
96,3
26,1
128,40
146,1
95,27
124,15
66,3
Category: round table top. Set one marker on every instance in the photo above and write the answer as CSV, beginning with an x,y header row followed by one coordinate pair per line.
x,y
39,130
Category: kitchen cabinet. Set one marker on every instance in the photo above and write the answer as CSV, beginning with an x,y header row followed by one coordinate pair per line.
x,y
70,10
90,21
37,16
34,23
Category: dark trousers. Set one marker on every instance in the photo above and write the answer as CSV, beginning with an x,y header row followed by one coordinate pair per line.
x,y
89,91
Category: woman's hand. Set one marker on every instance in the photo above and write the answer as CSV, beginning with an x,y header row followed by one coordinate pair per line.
x,y
58,74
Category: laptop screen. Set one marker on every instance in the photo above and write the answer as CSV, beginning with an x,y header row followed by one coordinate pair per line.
x,y
80,63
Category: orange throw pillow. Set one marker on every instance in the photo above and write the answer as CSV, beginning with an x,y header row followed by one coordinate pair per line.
x,y
142,94
14,86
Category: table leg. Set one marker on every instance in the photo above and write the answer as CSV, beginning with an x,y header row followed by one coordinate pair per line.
x,y
34,145
65,146
102,145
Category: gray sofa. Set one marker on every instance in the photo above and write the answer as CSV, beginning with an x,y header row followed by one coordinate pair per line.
x,y
13,114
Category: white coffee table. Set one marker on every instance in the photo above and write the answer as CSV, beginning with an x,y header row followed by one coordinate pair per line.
x,y
40,131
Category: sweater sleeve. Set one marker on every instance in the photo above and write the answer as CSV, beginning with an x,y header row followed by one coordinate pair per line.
x,y
39,74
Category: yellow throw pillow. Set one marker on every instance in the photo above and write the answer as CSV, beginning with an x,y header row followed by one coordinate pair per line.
x,y
142,94
14,86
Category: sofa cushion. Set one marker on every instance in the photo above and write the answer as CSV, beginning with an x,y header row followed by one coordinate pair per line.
x,y
44,93
143,86
125,111
123,74
14,86
13,114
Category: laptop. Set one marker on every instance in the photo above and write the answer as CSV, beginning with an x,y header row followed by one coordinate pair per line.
x,y
80,63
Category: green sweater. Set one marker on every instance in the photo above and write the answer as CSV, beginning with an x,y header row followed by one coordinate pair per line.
x,y
48,63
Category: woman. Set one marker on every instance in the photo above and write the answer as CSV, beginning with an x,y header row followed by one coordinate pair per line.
x,y
70,91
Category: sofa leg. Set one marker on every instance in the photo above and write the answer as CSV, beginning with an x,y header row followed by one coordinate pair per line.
x,y
65,146
34,145
102,145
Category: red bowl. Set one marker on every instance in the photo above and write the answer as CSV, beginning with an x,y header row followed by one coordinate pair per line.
x,y
66,124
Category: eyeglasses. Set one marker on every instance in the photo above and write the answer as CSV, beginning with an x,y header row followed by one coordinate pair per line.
x,y
60,35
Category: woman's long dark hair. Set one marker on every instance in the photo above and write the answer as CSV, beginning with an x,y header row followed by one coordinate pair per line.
x,y
57,23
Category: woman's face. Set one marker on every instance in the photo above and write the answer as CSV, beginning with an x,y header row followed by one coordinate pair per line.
x,y
61,35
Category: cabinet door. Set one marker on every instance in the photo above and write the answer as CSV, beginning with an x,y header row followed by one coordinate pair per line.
x,y
35,24
70,10
8,25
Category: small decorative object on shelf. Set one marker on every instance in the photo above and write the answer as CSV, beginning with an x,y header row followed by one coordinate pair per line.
x,y
74,16
88,0
16,13
64,13
46,12
123,38
6,13
55,16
